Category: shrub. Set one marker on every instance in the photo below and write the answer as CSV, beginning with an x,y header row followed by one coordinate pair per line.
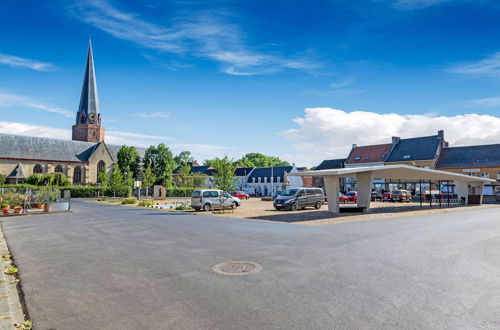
x,y
129,201
183,208
48,179
3,177
146,203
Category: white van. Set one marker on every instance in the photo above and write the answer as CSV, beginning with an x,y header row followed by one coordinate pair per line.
x,y
213,199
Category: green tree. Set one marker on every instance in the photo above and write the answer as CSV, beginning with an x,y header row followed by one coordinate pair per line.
x,y
116,181
3,177
200,180
128,160
161,161
103,178
224,178
148,179
256,159
183,157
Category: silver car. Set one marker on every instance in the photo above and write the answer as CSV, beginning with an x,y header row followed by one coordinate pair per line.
x,y
213,199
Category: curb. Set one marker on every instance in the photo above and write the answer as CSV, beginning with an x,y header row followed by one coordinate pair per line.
x,y
11,309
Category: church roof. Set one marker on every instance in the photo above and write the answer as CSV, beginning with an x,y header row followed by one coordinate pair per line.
x,y
41,148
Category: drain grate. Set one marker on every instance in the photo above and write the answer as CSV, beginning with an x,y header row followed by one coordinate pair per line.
x,y
237,268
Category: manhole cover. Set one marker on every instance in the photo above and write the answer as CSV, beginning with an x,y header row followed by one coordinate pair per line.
x,y
237,268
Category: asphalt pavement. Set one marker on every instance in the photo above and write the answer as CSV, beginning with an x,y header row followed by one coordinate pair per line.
x,y
113,267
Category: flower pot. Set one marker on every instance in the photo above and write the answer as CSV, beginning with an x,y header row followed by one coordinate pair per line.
x,y
40,205
18,209
5,210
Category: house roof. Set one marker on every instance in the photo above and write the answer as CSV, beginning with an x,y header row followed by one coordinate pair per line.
x,y
243,171
41,148
369,154
267,172
331,163
419,148
470,156
17,172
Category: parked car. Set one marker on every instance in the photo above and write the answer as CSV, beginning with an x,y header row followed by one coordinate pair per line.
x,y
213,199
343,198
352,196
240,194
376,196
401,196
299,198
387,197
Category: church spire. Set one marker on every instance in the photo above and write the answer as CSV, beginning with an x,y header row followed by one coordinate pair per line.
x,y
88,111
88,118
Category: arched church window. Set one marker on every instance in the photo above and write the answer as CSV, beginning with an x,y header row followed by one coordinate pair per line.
x,y
77,175
58,169
101,167
38,169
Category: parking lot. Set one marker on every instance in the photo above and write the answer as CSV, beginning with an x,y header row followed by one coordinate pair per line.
x,y
255,208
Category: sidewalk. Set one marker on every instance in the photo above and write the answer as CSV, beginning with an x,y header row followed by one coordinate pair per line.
x,y
11,312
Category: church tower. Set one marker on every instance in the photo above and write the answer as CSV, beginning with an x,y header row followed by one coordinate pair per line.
x,y
88,118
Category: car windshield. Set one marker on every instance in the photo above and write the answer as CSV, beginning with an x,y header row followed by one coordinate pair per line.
x,y
289,192
350,193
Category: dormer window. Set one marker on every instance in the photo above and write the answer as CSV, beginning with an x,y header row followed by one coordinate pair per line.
x,y
382,156
357,158
406,156
367,157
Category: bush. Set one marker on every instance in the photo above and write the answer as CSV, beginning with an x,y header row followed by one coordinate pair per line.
x,y
49,179
3,177
180,192
129,201
183,208
146,203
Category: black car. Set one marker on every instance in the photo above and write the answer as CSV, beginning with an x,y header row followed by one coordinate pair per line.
x,y
299,198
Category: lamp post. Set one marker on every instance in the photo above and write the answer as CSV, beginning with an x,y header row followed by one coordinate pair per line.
x,y
139,179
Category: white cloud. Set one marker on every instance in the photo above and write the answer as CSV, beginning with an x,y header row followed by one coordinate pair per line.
x,y
200,151
342,83
486,102
11,100
487,66
325,133
206,35
19,62
417,4
156,114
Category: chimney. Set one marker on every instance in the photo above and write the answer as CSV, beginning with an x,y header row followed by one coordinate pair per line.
x,y
395,140
354,145
441,135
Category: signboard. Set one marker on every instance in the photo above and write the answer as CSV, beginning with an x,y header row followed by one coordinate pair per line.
x,y
471,170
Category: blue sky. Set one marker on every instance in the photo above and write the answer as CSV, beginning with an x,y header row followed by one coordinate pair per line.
x,y
300,80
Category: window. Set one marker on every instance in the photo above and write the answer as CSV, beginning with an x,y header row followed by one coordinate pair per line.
x,y
58,169
367,157
485,175
101,167
278,178
206,194
357,158
406,156
38,169
196,194
498,175
382,156
77,175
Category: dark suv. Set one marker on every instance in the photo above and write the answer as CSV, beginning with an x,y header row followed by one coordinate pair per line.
x,y
299,198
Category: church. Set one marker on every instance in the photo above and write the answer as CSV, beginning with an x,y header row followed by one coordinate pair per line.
x,y
80,159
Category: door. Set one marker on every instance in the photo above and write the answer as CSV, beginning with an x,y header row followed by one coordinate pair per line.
x,y
301,198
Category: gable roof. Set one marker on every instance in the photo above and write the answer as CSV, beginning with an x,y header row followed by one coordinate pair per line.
x,y
17,172
331,163
267,172
419,148
41,148
369,154
470,156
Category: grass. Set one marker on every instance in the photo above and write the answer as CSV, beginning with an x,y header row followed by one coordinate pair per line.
x,y
129,201
10,270
183,208
26,325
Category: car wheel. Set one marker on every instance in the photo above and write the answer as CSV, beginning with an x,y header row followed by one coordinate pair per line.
x,y
318,205
293,207
235,205
346,201
207,207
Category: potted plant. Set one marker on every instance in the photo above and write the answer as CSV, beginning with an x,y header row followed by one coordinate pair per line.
x,y
5,208
18,209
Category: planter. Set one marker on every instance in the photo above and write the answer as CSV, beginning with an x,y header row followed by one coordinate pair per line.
x,y
40,205
5,210
18,209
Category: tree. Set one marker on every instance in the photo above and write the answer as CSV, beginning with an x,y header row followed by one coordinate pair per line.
x,y
128,160
183,157
3,177
116,182
256,159
148,179
161,161
103,178
224,178
184,175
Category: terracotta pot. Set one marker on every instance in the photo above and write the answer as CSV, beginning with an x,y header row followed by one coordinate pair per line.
x,y
40,205
18,209
5,210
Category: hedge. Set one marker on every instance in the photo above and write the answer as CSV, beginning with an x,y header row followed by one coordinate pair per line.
x,y
79,191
